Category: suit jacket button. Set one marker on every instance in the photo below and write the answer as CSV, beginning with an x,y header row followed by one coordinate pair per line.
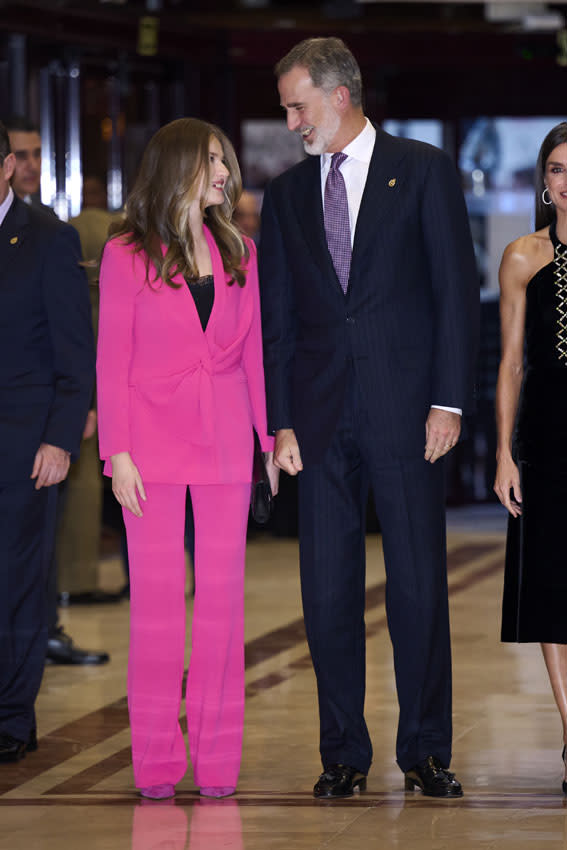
x,y
350,320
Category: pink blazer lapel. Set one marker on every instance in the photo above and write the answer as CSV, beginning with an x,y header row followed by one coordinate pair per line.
x,y
220,276
187,299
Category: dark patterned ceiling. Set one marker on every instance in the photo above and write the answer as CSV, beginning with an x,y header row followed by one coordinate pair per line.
x,y
187,16
416,56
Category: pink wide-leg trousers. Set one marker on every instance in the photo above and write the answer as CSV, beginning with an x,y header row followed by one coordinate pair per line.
x,y
215,682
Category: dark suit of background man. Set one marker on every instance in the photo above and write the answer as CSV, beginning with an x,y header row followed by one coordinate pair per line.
x,y
359,381
25,143
46,380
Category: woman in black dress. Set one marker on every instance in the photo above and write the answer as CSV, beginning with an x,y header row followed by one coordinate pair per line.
x,y
531,412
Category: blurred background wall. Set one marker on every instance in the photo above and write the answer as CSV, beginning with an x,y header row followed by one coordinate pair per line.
x,y
485,81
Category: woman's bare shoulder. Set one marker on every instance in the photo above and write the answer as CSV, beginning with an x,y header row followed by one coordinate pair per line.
x,y
524,256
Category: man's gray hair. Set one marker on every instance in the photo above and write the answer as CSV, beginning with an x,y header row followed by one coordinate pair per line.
x,y
330,64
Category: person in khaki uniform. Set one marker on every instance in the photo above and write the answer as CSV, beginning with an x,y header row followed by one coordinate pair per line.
x,y
79,531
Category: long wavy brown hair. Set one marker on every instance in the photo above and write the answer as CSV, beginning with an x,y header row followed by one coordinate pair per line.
x,y
174,167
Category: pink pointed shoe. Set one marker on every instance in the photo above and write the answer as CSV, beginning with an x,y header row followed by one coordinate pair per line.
x,y
217,791
158,792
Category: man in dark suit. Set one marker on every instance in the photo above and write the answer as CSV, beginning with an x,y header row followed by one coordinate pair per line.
x,y
46,380
25,144
370,303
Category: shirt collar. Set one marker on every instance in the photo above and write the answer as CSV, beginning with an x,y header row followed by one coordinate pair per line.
x,y
6,204
360,148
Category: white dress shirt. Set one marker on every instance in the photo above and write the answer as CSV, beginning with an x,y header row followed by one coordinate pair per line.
x,y
355,171
6,204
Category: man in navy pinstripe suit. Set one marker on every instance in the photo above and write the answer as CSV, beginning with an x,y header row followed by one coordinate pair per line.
x,y
365,368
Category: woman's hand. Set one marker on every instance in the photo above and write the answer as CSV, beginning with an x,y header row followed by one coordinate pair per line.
x,y
508,478
126,480
273,472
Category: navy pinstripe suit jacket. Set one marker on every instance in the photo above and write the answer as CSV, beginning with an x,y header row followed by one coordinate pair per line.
x,y
409,322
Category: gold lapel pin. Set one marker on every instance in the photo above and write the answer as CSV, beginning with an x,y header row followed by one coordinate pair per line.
x,y
13,240
392,182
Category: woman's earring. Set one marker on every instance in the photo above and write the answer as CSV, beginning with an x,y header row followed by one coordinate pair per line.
x,y
547,203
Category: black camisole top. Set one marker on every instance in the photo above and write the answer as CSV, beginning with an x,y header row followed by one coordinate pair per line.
x,y
203,292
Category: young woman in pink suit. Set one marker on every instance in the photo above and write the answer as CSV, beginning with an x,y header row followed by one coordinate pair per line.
x,y
181,386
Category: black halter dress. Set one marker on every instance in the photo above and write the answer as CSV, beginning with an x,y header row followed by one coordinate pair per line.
x,y
535,585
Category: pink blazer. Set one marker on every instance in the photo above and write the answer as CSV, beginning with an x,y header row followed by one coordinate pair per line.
x,y
180,400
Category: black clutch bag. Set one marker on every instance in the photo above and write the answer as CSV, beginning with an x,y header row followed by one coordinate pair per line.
x,y
261,500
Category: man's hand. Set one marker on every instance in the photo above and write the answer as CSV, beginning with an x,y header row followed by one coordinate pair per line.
x,y
50,466
127,482
90,425
442,431
286,452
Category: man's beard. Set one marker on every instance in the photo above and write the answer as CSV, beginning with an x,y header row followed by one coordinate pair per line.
x,y
324,135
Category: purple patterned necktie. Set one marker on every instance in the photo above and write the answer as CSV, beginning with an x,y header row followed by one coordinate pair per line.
x,y
337,225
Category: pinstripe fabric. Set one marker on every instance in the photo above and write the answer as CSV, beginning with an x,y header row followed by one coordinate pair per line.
x,y
355,376
409,500
409,320
337,227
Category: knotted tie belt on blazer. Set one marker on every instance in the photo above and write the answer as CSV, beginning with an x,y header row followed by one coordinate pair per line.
x,y
183,403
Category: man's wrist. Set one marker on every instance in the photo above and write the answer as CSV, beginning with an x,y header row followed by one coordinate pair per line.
x,y
448,409
54,446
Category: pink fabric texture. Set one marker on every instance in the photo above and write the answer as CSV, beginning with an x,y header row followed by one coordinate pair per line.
x,y
215,682
182,402
164,382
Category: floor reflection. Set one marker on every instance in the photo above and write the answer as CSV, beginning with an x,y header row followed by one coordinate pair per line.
x,y
205,825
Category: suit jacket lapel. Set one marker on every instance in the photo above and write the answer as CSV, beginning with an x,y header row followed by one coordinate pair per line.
x,y
309,210
13,232
379,197
381,192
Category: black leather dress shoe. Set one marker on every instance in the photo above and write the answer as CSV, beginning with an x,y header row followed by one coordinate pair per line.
x,y
31,745
11,749
89,597
339,780
62,650
125,591
433,779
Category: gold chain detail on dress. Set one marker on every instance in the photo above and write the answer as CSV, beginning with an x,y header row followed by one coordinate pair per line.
x,y
560,274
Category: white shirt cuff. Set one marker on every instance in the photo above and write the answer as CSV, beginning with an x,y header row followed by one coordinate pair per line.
x,y
449,409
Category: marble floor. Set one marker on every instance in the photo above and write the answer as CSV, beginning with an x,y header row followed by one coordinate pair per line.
x,y
77,793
